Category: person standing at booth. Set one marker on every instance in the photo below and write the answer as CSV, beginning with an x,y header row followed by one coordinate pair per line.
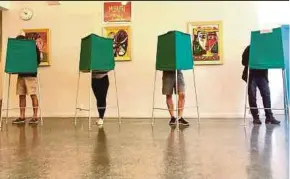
x,y
257,79
100,85
168,85
27,85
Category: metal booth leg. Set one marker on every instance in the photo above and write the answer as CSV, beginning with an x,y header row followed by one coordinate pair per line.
x,y
154,86
246,97
117,98
3,94
8,96
76,110
176,95
90,101
196,99
39,96
286,97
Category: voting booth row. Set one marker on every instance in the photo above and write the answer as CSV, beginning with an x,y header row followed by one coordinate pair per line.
x,y
21,57
269,49
173,53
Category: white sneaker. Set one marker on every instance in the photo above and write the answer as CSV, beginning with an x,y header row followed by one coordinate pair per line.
x,y
100,122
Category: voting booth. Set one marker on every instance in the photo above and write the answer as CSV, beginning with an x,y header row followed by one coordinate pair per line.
x,y
21,58
96,55
174,53
269,49
285,39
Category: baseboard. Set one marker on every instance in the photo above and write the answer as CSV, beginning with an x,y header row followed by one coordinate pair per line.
x,y
202,116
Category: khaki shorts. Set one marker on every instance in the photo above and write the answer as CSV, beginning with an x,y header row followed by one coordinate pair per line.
x,y
169,82
26,85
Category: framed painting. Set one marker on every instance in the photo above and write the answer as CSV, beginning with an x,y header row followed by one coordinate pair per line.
x,y
207,45
121,36
117,11
41,36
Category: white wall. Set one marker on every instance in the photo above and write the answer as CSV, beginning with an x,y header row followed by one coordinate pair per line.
x,y
220,88
5,5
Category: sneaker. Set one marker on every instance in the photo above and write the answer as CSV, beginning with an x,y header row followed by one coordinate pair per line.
x,y
271,120
18,121
257,121
183,122
33,121
172,121
100,122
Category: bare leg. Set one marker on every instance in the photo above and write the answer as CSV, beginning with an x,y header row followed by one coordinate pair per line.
x,y
181,101
170,105
22,105
35,105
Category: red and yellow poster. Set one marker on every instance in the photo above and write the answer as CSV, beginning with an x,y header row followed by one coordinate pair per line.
x,y
117,11
206,42
121,36
41,37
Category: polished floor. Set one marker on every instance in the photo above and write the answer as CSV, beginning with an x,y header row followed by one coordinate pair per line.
x,y
217,149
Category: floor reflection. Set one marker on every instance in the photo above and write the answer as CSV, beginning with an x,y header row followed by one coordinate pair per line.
x,y
220,151
175,155
261,153
100,158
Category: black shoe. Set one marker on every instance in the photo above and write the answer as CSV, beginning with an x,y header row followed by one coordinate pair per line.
x,y
172,121
18,121
257,121
271,120
183,122
33,121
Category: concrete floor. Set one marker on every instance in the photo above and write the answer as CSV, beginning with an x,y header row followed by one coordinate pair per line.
x,y
218,149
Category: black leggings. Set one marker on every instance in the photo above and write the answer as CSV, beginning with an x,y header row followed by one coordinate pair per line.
x,y
100,89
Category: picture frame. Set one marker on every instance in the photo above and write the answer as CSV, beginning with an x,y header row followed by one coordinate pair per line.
x,y
117,12
122,39
207,42
42,38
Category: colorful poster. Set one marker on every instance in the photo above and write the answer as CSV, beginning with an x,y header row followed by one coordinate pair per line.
x,y
41,36
121,36
117,11
206,42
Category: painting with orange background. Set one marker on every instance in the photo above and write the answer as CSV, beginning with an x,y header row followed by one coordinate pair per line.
x,y
41,37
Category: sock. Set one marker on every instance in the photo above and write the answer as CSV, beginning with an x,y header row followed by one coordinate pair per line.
x,y
179,117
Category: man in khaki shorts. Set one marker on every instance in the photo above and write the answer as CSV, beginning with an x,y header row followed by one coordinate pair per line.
x,y
168,85
27,85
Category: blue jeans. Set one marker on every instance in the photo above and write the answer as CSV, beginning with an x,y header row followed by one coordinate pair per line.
x,y
263,85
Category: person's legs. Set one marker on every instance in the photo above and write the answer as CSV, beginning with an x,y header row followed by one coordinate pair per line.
x,y
21,92
181,101
181,98
252,94
167,89
170,105
35,105
263,86
31,85
22,105
100,89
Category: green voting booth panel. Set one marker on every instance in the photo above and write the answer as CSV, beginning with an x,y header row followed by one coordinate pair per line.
x,y
266,50
174,52
96,54
21,56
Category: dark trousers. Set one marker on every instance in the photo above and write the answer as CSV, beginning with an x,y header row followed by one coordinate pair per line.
x,y
100,89
262,84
